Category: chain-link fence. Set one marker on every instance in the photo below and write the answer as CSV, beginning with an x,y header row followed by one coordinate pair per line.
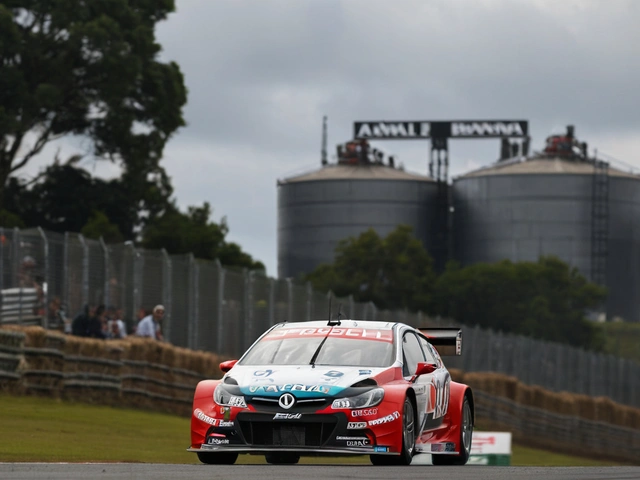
x,y
208,307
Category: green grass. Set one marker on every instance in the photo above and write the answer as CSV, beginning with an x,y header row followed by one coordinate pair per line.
x,y
35,429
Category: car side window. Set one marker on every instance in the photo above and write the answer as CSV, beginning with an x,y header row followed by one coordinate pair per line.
x,y
428,351
412,354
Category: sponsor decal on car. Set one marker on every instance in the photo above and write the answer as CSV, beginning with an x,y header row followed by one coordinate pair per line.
x,y
389,418
359,333
287,416
443,447
354,441
333,374
236,401
356,425
217,441
380,449
364,372
203,417
262,373
357,443
289,387
226,424
365,412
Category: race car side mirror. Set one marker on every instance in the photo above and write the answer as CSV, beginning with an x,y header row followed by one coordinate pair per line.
x,y
228,365
424,368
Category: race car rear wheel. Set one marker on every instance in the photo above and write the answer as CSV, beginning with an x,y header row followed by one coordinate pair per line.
x,y
226,458
282,458
466,432
408,439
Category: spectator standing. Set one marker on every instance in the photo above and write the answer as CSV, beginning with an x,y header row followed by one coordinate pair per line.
x,y
116,326
80,324
151,325
98,324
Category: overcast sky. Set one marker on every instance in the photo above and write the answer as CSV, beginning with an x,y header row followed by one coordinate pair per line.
x,y
262,73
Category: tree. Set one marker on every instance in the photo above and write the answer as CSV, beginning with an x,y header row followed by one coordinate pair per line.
x,y
546,299
86,68
393,272
63,197
99,226
192,232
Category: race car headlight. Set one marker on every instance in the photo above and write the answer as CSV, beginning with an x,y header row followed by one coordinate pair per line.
x,y
222,397
367,399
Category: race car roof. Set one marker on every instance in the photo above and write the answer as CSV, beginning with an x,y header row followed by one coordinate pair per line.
x,y
343,324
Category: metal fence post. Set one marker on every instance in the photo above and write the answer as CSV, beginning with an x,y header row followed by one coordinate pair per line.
x,y
309,300
221,275
289,299
193,302
2,240
65,275
85,270
107,285
272,301
46,282
248,310
166,293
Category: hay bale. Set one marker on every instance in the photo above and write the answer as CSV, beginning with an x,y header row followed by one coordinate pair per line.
x,y
604,409
457,375
586,407
34,337
524,394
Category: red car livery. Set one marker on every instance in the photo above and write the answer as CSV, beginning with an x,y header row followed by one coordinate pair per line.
x,y
338,387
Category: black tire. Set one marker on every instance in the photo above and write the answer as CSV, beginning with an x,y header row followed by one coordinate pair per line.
x,y
408,440
466,434
226,458
282,458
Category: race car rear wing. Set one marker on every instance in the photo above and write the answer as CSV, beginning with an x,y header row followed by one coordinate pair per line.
x,y
447,340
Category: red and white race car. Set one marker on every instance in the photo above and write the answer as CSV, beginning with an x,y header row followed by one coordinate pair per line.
x,y
338,387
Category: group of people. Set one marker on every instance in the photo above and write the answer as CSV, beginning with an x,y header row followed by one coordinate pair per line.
x,y
107,323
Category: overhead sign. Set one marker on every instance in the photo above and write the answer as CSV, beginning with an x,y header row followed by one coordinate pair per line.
x,y
423,129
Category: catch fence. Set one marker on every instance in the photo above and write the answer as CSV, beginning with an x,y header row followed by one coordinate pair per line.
x,y
223,310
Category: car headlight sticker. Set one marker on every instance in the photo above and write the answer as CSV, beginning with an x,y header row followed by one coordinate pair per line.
x,y
367,399
222,397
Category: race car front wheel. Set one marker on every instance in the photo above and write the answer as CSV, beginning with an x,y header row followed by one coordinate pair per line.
x,y
225,458
408,440
466,432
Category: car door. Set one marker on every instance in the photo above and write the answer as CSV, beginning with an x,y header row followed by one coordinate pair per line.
x,y
412,353
439,385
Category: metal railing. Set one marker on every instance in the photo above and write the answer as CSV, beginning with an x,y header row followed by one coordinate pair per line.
x,y
223,310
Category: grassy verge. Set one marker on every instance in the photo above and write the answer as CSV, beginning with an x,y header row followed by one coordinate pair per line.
x,y
45,430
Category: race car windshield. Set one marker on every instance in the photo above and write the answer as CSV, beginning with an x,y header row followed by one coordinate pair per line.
x,y
334,352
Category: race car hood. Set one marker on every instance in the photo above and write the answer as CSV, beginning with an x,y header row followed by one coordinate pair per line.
x,y
302,381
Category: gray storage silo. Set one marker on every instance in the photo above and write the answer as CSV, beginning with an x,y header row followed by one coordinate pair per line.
x,y
318,209
582,211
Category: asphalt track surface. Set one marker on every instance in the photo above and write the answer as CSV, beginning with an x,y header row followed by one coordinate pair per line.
x,y
10,471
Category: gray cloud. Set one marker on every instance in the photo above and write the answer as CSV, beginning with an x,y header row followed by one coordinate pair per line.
x,y
262,73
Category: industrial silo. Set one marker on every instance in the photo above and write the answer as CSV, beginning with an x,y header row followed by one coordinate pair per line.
x,y
318,209
558,202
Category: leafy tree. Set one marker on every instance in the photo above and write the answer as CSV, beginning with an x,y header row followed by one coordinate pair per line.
x,y
64,196
99,226
192,232
393,272
546,299
86,68
10,220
